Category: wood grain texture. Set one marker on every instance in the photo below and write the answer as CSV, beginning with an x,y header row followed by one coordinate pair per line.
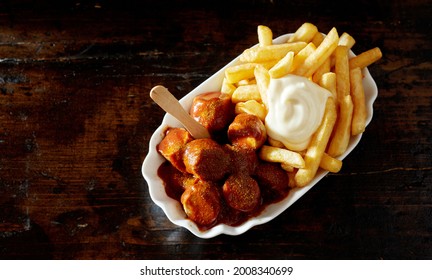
x,y
76,118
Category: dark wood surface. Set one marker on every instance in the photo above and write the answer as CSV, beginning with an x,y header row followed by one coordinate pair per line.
x,y
76,118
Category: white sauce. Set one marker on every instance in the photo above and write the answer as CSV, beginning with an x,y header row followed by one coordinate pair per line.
x,y
296,107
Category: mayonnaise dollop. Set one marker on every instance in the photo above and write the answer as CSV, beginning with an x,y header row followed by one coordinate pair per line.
x,y
295,110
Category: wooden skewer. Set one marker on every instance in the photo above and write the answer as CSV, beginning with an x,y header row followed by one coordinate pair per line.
x,y
172,106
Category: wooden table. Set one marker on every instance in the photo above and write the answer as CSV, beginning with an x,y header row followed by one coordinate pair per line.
x,y
76,118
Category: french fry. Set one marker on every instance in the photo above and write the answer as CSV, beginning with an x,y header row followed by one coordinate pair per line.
x,y
365,58
358,97
240,72
330,164
342,72
251,107
245,93
302,55
272,52
346,40
227,87
323,51
305,33
287,167
317,146
274,154
317,39
324,68
262,78
342,133
275,143
265,36
245,82
328,81
283,67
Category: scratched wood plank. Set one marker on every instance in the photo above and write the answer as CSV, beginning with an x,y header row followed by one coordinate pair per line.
x,y
75,121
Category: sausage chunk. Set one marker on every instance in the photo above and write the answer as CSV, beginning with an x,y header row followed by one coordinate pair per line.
x,y
201,202
171,146
242,160
213,110
273,181
206,159
241,192
247,131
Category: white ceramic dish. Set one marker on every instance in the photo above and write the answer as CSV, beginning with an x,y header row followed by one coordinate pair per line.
x,y
173,208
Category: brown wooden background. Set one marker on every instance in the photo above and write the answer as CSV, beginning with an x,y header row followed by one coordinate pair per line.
x,y
75,121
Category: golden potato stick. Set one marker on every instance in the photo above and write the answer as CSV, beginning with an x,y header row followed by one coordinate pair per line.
x,y
283,67
245,93
330,164
272,52
317,146
342,72
365,58
262,78
328,81
245,82
302,55
227,87
358,97
304,33
275,143
287,167
251,107
324,68
265,36
323,51
274,154
240,72
342,133
346,40
317,39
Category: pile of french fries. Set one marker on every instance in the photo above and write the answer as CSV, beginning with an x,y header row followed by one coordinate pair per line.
x,y
325,60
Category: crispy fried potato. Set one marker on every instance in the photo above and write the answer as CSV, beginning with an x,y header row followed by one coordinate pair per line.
x,y
325,49
317,39
240,72
274,154
245,82
346,40
262,78
302,55
358,97
251,107
272,52
317,146
265,36
275,143
330,164
283,67
342,72
365,58
245,93
328,81
324,68
287,167
342,133
305,33
227,87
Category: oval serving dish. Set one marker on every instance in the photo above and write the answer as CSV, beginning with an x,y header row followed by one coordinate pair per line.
x,y
174,210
